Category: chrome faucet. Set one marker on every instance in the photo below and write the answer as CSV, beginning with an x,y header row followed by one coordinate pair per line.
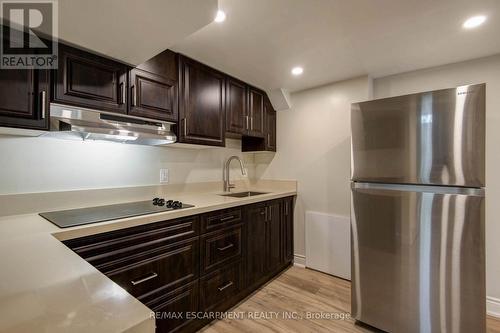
x,y
227,185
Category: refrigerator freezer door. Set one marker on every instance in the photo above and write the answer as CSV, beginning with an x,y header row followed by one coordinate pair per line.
x,y
427,138
418,258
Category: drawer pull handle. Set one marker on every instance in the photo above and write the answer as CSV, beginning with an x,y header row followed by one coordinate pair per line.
x,y
227,218
227,285
225,247
144,279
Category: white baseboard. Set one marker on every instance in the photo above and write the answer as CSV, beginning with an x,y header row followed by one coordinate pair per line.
x,y
493,306
299,260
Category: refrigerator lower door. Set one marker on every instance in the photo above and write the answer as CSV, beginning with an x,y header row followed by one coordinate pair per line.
x,y
418,262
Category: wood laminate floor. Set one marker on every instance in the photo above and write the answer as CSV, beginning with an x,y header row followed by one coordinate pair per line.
x,y
298,293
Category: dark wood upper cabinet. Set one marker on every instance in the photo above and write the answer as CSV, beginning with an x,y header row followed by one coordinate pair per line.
x,y
270,121
268,141
153,88
152,96
24,98
164,64
256,112
88,80
237,117
201,104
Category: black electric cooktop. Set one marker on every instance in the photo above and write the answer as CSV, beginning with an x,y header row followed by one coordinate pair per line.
x,y
81,216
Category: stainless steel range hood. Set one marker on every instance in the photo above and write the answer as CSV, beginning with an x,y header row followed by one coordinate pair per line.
x,y
67,122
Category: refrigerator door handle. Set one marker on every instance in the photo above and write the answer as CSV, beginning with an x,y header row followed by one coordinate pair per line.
x,y
479,192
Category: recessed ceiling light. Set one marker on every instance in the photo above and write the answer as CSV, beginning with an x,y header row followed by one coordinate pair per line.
x,y
220,17
474,21
297,70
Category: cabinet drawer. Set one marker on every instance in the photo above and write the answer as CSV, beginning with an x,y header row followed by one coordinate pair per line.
x,y
220,247
172,309
220,286
220,219
165,268
110,246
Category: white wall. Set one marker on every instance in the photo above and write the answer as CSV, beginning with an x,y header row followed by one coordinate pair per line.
x,y
313,139
44,164
476,71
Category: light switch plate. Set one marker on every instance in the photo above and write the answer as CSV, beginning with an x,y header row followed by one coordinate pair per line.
x,y
164,176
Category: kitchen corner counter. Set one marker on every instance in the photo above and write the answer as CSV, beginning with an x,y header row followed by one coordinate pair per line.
x,y
46,287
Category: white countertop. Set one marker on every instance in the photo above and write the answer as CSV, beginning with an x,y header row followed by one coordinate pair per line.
x,y
46,287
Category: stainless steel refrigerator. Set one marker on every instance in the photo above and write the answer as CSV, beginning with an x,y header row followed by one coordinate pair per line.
x,y
417,211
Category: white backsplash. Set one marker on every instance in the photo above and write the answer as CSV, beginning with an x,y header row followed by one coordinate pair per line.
x,y
32,164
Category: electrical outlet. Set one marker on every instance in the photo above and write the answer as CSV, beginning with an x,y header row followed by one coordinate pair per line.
x,y
164,176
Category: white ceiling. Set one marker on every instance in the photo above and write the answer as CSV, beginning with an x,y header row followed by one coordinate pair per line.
x,y
130,30
261,40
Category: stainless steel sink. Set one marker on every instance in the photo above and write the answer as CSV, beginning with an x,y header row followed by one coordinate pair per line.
x,y
242,194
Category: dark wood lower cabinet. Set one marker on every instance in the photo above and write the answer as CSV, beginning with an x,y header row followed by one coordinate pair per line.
x,y
256,217
186,269
162,268
287,243
221,286
175,310
274,236
220,247
268,236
